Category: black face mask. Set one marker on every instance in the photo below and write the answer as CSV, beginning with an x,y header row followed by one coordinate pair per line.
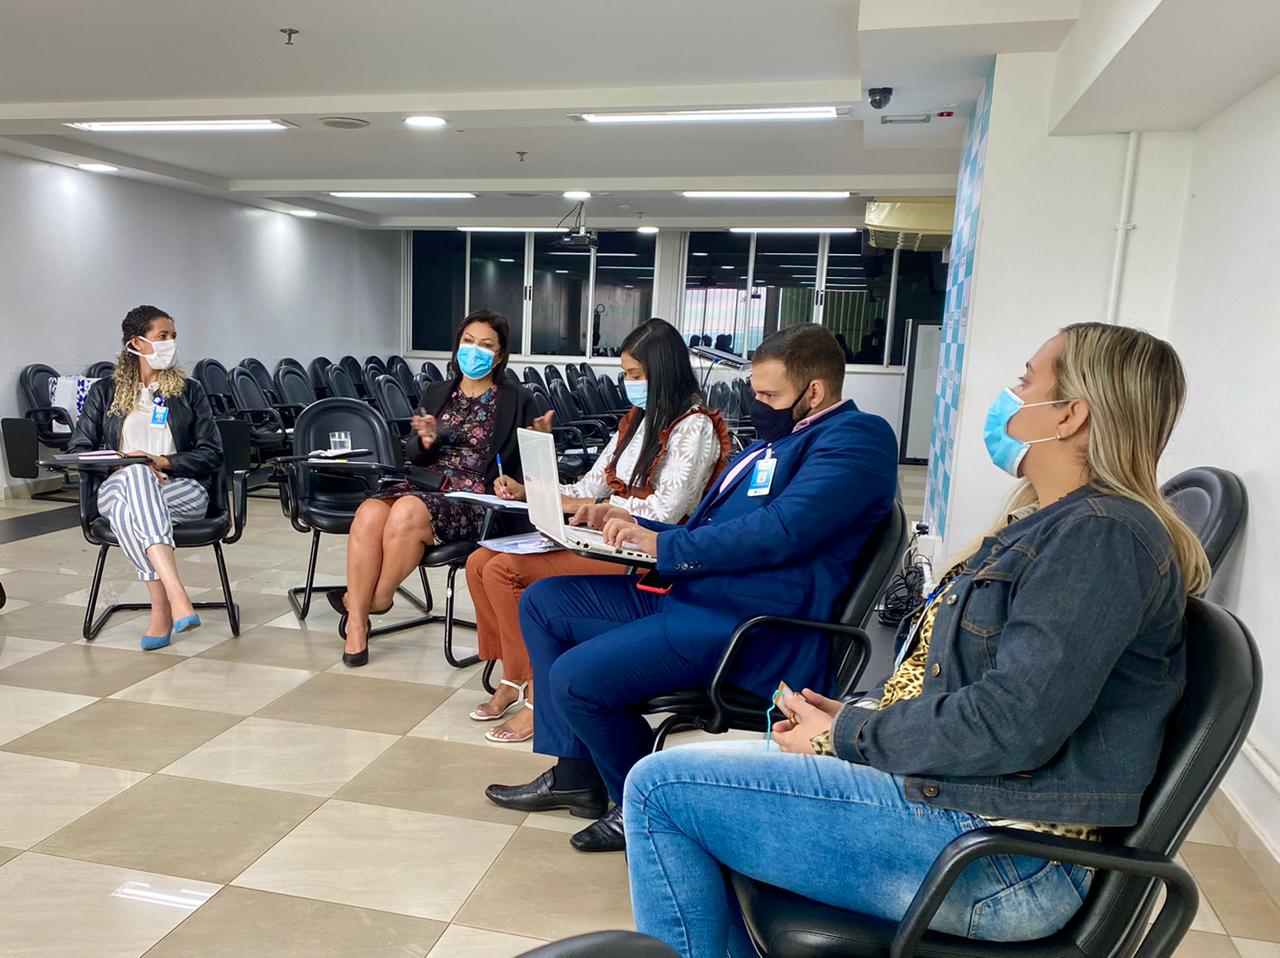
x,y
772,424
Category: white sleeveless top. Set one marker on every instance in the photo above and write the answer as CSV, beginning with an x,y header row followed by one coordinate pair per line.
x,y
137,433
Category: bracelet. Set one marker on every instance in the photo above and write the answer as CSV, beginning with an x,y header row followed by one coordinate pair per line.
x,y
602,499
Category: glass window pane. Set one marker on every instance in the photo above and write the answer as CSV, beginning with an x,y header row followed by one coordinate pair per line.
x,y
857,294
561,297
439,263
715,296
785,275
623,297
497,279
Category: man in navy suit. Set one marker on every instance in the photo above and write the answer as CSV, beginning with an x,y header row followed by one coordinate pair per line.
x,y
778,533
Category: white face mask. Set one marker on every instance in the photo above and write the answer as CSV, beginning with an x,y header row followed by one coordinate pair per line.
x,y
164,353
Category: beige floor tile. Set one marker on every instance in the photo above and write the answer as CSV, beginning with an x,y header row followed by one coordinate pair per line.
x,y
42,586
426,775
124,735
1199,944
1250,948
240,922
278,581
12,605
459,941
1207,831
285,756
414,656
1238,898
374,705
25,710
8,853
52,621
451,723
411,863
213,631
558,821
117,590
540,886
84,670
257,609
14,650
96,909
282,648
179,826
236,687
38,796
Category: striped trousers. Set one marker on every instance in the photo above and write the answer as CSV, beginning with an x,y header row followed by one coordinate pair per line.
x,y
142,511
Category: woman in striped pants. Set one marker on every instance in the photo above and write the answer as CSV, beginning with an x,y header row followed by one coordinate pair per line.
x,y
149,408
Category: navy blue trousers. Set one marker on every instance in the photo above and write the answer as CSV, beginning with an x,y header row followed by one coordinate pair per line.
x,y
599,648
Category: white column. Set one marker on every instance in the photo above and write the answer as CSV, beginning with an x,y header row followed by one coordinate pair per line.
x,y
671,256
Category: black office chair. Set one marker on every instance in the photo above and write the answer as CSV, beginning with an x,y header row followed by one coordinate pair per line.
x,y
615,398
262,376
317,372
1213,502
375,361
1224,683
215,379
721,706
294,386
394,405
356,371
588,371
571,447
604,944
432,371
572,375
533,378
290,361
222,525
394,361
341,385
552,373
270,421
103,369
321,498
593,403
422,382
595,431
404,376
34,382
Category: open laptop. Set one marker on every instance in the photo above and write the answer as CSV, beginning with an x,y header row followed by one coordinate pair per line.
x,y
542,491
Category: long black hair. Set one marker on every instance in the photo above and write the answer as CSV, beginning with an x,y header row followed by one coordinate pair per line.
x,y
673,389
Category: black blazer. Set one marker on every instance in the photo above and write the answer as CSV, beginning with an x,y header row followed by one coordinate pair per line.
x,y
515,409
191,421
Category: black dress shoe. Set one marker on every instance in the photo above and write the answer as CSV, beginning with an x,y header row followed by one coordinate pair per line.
x,y
356,659
606,835
540,796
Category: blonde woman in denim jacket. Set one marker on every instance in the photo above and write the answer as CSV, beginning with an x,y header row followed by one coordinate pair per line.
x,y
1033,691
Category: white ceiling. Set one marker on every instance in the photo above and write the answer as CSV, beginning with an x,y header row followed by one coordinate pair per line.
x,y
505,74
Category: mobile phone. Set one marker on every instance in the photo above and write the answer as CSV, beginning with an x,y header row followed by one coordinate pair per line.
x,y
783,691
651,581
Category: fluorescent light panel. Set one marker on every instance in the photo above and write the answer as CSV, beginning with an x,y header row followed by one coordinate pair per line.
x,y
766,114
513,229
98,167
424,122
793,229
766,194
304,213
576,195
585,253
647,229
178,126
399,195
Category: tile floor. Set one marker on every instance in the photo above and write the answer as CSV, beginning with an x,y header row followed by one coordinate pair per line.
x,y
251,796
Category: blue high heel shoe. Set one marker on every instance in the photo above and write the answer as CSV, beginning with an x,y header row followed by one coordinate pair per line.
x,y
152,642
186,624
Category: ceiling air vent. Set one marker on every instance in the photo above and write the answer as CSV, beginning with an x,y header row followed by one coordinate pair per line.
x,y
343,122
906,118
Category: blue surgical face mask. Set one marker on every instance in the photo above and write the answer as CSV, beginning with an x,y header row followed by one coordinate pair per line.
x,y
475,362
637,392
1005,451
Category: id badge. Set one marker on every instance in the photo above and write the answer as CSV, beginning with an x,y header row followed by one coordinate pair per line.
x,y
762,477
159,416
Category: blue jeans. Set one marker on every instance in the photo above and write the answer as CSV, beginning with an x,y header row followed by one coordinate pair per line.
x,y
822,827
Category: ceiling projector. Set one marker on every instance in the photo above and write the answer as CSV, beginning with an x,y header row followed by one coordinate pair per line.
x,y
578,239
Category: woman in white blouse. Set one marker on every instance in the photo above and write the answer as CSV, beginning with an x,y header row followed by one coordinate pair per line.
x,y
667,451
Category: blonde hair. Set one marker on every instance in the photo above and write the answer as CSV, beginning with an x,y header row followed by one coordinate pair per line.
x,y
1135,386
128,377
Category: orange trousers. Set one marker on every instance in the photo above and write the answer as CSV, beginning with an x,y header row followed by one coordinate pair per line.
x,y
496,581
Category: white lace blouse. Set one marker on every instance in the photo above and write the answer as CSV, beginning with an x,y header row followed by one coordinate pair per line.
x,y
693,449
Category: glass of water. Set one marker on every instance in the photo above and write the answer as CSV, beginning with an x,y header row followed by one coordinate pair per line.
x,y
340,441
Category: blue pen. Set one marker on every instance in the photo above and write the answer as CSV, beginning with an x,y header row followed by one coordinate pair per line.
x,y
501,474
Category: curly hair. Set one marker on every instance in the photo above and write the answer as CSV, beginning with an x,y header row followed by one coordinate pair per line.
x,y
136,325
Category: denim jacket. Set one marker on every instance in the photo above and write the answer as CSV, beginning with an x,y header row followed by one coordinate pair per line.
x,y
1056,659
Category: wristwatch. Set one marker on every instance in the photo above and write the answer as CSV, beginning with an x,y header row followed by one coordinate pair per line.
x,y
602,499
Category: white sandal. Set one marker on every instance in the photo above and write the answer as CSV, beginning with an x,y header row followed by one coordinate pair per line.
x,y
493,736
478,716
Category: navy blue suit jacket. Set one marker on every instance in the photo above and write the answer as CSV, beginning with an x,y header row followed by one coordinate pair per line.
x,y
789,552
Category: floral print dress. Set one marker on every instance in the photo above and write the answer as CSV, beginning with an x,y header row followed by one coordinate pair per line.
x,y
463,441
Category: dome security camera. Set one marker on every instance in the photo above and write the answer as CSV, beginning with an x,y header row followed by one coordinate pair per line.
x,y
879,97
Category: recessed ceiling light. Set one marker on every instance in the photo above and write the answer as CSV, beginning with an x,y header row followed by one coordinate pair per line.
x,y
624,267
514,229
766,194
424,122
726,267
697,254
179,126
400,195
98,167
586,253
577,195
715,116
793,229
306,213
628,287
565,271
647,229
504,259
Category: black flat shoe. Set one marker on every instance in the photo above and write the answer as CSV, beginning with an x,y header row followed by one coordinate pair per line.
x,y
606,835
539,796
356,659
338,602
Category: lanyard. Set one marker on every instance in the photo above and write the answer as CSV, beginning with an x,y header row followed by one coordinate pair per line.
x,y
915,629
